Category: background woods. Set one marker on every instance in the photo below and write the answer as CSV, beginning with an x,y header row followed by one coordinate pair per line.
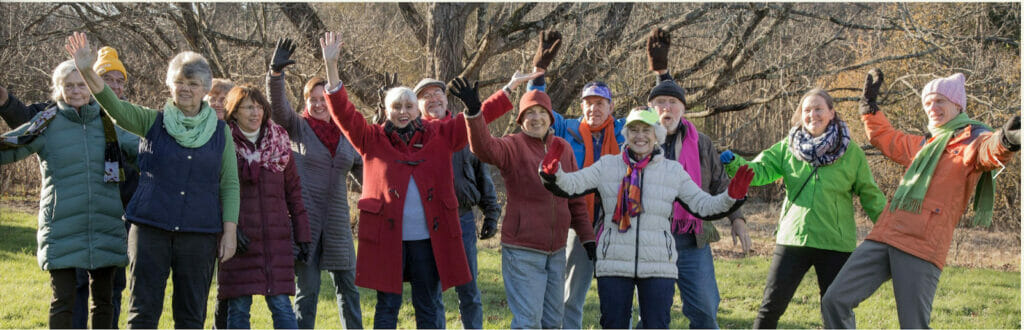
x,y
744,65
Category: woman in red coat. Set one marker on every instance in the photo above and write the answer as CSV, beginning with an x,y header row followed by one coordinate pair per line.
x,y
271,214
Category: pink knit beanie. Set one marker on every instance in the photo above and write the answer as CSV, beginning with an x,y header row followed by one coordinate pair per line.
x,y
951,87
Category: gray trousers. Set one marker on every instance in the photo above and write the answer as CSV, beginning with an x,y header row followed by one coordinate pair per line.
x,y
913,281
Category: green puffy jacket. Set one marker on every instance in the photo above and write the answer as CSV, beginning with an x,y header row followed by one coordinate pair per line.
x,y
822,215
80,222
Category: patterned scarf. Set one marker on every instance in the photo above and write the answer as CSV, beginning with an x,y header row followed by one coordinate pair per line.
x,y
689,157
914,184
26,133
272,150
822,150
628,203
405,133
609,146
328,133
190,132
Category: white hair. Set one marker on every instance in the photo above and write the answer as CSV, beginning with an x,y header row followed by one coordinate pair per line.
x,y
60,74
659,133
399,95
191,65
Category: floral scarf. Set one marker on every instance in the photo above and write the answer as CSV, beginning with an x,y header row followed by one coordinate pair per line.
x,y
328,133
272,150
822,150
628,203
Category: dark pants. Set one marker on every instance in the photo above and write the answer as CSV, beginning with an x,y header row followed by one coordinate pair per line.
x,y
120,282
419,268
616,296
220,314
155,255
789,264
63,283
80,312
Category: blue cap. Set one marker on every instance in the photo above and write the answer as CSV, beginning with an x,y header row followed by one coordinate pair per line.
x,y
596,88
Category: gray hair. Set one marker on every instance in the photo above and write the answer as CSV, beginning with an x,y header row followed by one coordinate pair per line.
x,y
60,74
191,65
399,94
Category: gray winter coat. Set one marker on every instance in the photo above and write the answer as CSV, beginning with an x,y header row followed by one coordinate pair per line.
x,y
324,189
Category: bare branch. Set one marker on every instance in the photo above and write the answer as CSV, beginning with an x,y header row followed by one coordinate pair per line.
x,y
415,22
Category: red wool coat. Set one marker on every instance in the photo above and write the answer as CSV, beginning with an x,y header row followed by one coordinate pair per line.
x,y
387,165
271,213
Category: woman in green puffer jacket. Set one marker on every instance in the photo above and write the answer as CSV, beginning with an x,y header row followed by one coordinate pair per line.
x,y
822,171
80,226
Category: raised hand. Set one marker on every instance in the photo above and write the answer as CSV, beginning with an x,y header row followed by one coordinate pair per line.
x,y
519,78
550,42
78,47
331,46
658,44
550,163
468,94
740,183
282,55
869,97
390,81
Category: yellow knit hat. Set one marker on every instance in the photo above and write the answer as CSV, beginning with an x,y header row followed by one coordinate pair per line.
x,y
108,61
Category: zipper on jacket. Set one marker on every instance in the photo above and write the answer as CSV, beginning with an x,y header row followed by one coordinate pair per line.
x,y
88,185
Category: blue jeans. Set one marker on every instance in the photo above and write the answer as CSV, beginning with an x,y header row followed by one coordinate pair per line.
x,y
579,272
307,292
616,295
697,286
280,311
533,287
469,294
419,267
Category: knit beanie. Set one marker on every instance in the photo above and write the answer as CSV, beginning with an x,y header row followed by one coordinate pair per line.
x,y
669,88
108,61
951,87
532,98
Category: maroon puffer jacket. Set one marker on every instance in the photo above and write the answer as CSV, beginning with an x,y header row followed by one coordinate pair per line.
x,y
268,267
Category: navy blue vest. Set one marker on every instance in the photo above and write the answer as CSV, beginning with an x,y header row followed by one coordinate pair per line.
x,y
179,189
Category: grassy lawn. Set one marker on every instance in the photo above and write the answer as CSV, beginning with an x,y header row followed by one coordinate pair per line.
x,y
966,298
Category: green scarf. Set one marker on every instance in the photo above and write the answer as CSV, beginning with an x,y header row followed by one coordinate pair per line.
x,y
915,182
190,132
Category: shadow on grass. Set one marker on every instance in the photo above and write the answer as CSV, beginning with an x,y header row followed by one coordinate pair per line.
x,y
16,240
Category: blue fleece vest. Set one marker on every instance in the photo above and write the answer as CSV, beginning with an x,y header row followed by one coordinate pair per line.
x,y
180,187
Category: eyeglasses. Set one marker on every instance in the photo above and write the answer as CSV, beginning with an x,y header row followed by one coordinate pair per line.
x,y
437,93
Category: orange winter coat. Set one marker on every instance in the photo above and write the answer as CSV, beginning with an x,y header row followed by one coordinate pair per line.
x,y
927,235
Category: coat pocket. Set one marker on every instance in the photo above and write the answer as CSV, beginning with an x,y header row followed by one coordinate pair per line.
x,y
451,208
370,219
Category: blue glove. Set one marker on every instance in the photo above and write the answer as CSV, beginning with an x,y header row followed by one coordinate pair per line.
x,y
726,157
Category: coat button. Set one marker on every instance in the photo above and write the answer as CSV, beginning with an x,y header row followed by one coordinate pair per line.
x,y
175,228
189,156
183,193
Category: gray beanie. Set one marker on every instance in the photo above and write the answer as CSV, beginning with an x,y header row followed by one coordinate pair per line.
x,y
670,88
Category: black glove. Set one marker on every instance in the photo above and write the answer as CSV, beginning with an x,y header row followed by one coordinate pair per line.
x,y
469,95
868,104
591,248
282,55
241,242
550,42
1011,134
489,229
303,255
657,49
390,80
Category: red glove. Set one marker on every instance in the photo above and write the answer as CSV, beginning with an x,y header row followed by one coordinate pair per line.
x,y
740,182
550,163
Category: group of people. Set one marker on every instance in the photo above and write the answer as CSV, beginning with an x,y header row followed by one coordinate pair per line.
x,y
231,180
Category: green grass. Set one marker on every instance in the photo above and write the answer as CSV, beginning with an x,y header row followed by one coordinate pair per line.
x,y
966,298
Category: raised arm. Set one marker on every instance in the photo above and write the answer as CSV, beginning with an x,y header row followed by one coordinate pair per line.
x,y
898,146
132,118
767,166
569,185
343,112
990,151
708,207
14,112
487,148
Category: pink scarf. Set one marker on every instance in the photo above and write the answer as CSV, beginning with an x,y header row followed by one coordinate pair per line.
x,y
689,157
273,153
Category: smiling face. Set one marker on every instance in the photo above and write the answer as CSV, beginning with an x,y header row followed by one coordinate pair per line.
x,y
432,103
596,110
74,90
815,115
940,109
317,105
402,113
641,138
116,81
670,110
536,121
188,94
248,115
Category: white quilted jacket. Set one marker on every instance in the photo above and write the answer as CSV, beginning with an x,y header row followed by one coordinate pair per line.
x,y
619,254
